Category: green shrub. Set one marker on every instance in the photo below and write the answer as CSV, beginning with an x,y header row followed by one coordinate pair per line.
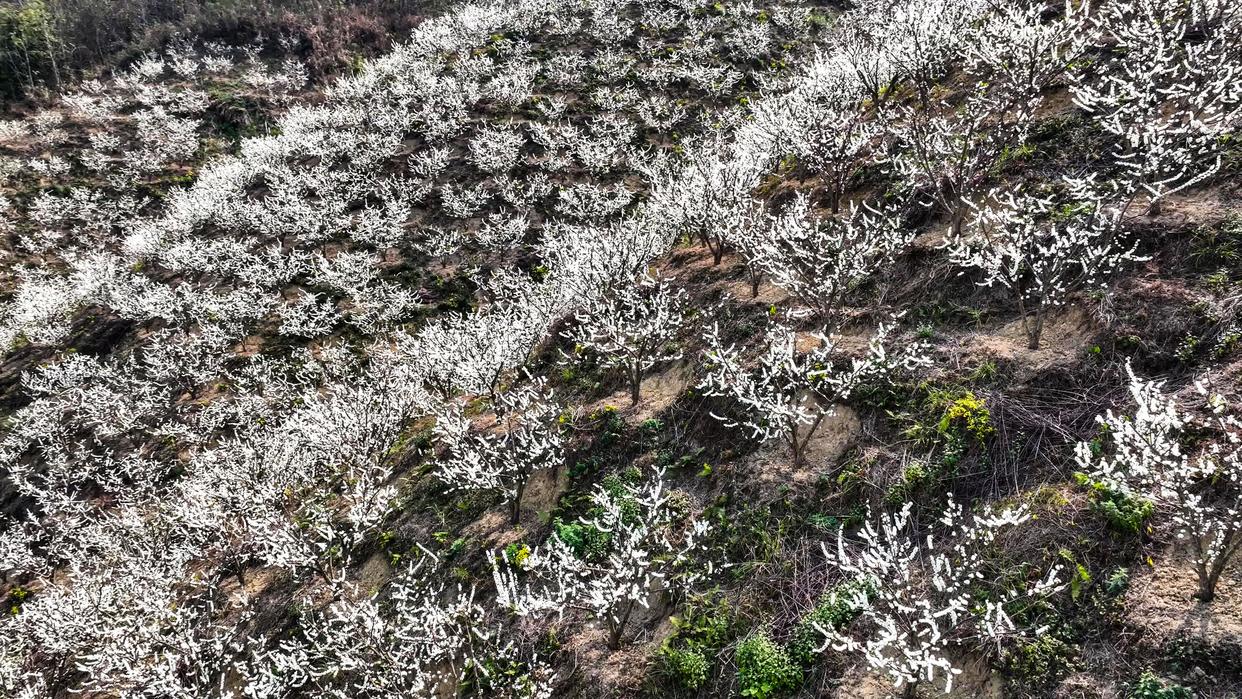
x,y
698,634
651,426
1117,582
1126,513
1123,512
707,622
28,48
913,478
835,610
587,542
1151,687
17,596
968,415
1218,246
517,553
685,667
1042,659
764,669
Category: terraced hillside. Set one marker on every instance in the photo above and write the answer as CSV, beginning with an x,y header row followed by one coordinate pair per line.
x,y
613,348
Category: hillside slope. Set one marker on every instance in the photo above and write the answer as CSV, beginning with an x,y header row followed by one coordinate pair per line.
x,y
619,348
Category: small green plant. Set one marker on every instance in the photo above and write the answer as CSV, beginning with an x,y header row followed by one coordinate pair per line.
x,y
985,372
667,458
1011,154
611,425
459,544
913,478
1149,686
822,522
685,667
587,542
17,596
818,20
835,610
1079,575
1123,512
1117,582
1218,246
584,467
1041,659
1219,280
1186,348
517,553
968,414
1228,341
764,669
698,634
495,675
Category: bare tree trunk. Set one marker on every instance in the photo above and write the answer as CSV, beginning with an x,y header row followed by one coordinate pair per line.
x,y
515,511
957,218
1209,576
1036,330
29,68
618,627
1207,587
636,382
1032,327
51,53
798,446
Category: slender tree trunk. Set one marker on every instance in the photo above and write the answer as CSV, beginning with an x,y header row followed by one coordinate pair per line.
x,y
1209,576
1207,587
515,511
1037,328
617,628
636,382
799,445
29,68
957,218
51,53
1032,327
795,447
